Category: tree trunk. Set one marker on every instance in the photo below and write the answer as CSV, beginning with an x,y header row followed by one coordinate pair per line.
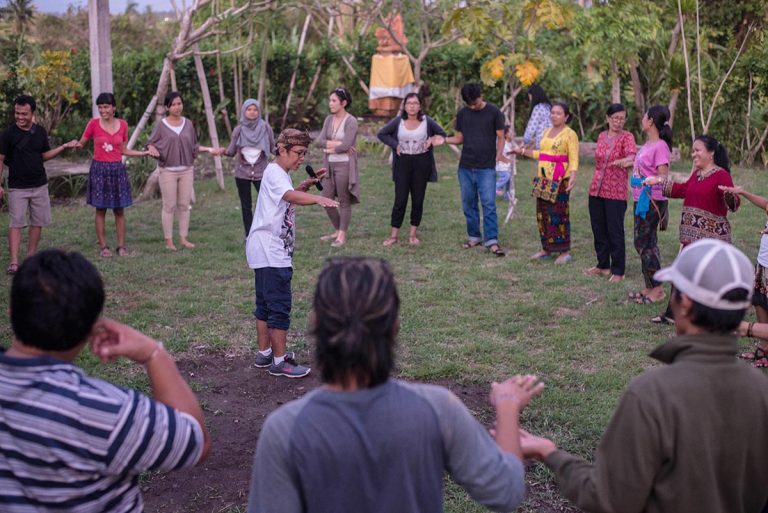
x,y
209,115
292,84
615,83
222,98
263,72
637,88
673,106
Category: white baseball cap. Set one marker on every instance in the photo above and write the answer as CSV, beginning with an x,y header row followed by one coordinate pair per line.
x,y
707,270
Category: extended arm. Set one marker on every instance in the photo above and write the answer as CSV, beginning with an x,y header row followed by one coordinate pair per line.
x,y
111,339
53,152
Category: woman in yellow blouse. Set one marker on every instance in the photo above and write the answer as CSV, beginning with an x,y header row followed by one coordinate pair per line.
x,y
555,177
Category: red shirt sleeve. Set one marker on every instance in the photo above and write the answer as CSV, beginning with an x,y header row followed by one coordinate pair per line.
x,y
88,133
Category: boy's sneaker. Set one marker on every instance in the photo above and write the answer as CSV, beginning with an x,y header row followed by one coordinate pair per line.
x,y
265,361
289,369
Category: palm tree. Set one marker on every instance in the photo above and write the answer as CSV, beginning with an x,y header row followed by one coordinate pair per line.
x,y
21,12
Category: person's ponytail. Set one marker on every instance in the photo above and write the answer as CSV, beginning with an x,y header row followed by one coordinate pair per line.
x,y
659,115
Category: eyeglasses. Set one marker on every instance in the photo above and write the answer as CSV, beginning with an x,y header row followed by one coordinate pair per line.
x,y
618,120
301,153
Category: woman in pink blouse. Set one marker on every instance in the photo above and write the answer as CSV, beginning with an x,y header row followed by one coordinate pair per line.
x,y
108,184
608,195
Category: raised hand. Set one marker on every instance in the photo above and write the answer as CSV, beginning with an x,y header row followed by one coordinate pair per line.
x,y
518,389
111,339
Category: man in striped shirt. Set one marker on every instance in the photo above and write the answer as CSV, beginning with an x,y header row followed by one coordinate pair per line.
x,y
69,442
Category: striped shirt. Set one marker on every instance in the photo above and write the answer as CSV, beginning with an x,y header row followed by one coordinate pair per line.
x,y
72,443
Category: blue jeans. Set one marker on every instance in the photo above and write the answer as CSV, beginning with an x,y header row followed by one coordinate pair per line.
x,y
482,182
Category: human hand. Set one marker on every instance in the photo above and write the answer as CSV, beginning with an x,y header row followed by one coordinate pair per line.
x,y
736,189
74,143
651,180
571,183
327,202
438,140
320,173
111,339
519,390
743,329
152,151
397,150
536,447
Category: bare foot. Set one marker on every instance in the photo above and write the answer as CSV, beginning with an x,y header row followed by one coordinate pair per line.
x,y
187,244
170,246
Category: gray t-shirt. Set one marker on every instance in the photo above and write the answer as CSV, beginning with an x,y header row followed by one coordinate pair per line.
x,y
383,449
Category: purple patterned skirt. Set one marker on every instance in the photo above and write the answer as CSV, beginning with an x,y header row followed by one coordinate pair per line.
x,y
108,185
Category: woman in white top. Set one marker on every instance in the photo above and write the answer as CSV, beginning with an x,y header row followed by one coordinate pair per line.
x,y
337,139
174,143
411,135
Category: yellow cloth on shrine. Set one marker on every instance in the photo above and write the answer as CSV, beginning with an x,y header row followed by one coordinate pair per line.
x,y
391,75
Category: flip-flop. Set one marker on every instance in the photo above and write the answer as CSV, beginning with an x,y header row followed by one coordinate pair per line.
x,y
563,260
11,269
471,244
635,295
643,300
496,250
662,319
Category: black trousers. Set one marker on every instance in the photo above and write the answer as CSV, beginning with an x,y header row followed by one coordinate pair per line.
x,y
411,177
607,217
246,200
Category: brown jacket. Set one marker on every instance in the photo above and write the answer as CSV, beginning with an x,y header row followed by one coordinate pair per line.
x,y
347,146
689,437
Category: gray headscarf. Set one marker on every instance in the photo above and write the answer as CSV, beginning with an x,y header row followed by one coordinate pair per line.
x,y
253,132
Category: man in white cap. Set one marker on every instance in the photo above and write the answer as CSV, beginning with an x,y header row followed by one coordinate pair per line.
x,y
689,436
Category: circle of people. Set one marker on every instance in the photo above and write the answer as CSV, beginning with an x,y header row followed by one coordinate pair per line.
x,y
363,423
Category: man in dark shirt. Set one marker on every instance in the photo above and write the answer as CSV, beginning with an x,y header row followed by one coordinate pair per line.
x,y
480,128
23,148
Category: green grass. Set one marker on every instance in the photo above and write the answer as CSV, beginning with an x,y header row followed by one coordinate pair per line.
x,y
466,315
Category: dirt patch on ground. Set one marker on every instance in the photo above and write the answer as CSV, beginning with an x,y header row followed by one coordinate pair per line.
x,y
237,398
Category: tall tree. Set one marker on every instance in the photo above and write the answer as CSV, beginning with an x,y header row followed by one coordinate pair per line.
x,y
21,13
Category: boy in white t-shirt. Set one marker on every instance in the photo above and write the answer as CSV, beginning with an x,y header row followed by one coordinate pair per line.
x,y
269,249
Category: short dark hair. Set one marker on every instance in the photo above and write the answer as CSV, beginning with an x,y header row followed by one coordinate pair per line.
x,y
614,108
343,95
56,298
356,308
715,320
420,114
565,108
26,99
471,92
106,99
720,156
172,96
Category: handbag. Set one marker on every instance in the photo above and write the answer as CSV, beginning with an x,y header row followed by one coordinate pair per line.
x,y
545,188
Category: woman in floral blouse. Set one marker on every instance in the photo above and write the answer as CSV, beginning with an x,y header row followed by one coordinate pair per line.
x,y
539,119
608,195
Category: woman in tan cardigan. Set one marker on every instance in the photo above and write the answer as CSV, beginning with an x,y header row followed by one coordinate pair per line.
x,y
337,139
174,143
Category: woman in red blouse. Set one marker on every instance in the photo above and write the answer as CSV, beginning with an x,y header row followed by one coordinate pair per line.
x,y
705,204
608,195
108,184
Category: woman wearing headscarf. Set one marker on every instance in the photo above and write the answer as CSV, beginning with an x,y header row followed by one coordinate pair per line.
x,y
253,141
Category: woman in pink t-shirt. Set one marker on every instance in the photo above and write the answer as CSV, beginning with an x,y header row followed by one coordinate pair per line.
x,y
651,160
108,184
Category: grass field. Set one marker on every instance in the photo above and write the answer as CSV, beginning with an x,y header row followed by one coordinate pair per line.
x,y
467,316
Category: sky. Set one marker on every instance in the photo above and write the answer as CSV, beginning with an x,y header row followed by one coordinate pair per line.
x,y
115,6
